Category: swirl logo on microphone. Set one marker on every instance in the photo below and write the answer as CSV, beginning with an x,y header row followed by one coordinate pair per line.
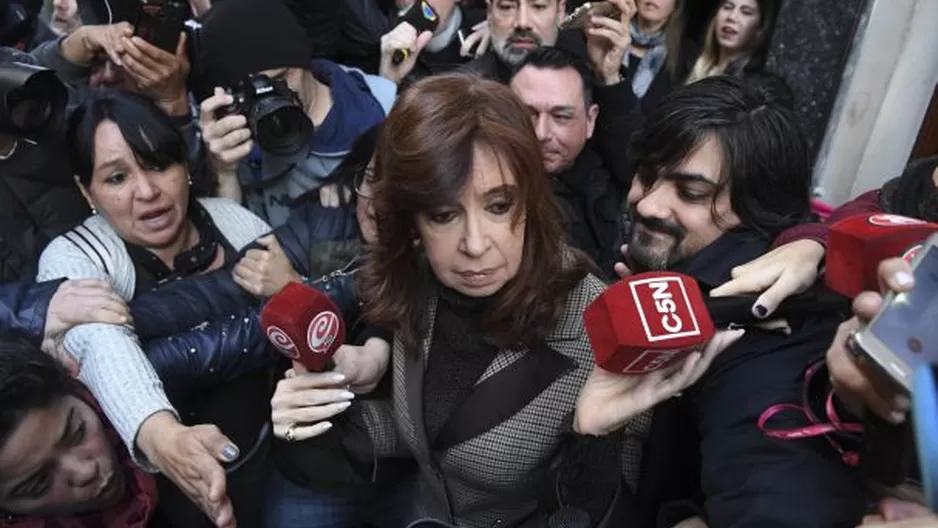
x,y
322,332
282,341
911,252
889,220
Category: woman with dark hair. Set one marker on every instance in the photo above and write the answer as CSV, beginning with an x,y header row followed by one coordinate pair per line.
x,y
735,39
490,359
146,230
317,482
61,462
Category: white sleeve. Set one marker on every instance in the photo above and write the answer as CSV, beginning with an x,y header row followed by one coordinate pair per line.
x,y
113,365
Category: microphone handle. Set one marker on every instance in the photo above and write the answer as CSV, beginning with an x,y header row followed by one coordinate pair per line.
x,y
738,309
887,453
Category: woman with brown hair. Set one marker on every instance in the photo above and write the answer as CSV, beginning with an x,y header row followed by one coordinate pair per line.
x,y
490,359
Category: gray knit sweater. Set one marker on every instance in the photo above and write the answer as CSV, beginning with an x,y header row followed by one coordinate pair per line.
x,y
113,365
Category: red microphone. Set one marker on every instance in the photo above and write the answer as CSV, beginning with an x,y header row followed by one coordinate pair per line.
x,y
653,320
647,322
858,244
304,325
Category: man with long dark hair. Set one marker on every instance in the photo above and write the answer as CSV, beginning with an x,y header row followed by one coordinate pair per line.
x,y
722,168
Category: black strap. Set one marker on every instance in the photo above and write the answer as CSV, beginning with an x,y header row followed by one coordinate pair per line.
x,y
503,394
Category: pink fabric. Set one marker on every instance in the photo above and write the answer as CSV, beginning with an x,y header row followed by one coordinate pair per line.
x,y
864,204
821,209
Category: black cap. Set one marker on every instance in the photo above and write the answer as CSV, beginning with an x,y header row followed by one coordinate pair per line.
x,y
242,37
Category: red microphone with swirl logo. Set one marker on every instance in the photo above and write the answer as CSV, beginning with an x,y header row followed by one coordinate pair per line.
x,y
304,325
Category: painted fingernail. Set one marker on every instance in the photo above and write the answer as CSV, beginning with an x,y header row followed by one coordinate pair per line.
x,y
230,453
903,279
347,395
337,377
897,417
344,405
760,311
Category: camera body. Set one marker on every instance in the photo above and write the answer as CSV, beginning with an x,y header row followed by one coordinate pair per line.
x,y
274,114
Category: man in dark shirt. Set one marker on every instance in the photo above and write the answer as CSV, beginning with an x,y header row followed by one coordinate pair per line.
x,y
722,169
558,89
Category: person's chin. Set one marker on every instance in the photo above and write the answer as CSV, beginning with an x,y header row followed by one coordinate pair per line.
x,y
648,256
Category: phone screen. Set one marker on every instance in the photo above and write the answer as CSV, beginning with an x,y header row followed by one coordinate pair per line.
x,y
909,325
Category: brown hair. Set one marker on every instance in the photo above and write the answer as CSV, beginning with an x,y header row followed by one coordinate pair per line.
x,y
424,161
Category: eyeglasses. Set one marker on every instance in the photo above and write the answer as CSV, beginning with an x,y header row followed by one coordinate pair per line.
x,y
365,175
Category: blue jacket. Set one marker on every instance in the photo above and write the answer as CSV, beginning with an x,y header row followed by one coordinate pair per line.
x,y
23,307
204,330
195,358
271,183
213,315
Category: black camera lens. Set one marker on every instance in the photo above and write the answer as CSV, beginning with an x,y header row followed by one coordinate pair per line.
x,y
280,126
31,98
28,111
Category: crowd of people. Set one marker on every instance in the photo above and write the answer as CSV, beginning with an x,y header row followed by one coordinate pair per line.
x,y
462,194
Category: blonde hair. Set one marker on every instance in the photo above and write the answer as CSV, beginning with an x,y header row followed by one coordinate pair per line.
x,y
708,64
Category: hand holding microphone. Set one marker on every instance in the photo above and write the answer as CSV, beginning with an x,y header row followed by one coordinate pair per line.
x,y
304,325
608,401
401,47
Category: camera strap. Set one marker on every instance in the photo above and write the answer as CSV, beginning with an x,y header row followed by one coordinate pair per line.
x,y
833,426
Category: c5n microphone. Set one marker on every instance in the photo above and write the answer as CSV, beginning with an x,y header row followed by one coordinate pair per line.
x,y
858,244
653,320
304,325
422,17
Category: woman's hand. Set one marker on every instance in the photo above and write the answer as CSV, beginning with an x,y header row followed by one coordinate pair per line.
x,y
861,386
159,74
608,40
480,38
189,457
906,514
84,301
363,366
78,302
608,401
304,401
264,272
779,274
89,42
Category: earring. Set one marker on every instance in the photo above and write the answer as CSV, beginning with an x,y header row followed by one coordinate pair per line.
x,y
93,210
190,181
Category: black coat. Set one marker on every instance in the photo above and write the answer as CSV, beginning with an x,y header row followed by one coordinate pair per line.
x,y
38,202
705,454
589,197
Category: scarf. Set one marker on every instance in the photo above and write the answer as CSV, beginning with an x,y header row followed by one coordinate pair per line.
x,y
134,510
913,193
651,63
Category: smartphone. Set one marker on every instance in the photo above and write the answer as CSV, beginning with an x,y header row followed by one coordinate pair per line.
x,y
160,22
581,15
904,334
